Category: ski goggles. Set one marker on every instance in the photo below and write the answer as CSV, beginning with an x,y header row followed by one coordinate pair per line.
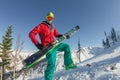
x,y
49,18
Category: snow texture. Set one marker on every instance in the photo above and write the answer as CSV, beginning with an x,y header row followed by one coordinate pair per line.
x,y
96,64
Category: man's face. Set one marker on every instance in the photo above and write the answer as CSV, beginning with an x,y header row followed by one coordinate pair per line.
x,y
50,19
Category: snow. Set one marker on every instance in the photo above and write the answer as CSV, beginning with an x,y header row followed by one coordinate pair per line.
x,y
96,64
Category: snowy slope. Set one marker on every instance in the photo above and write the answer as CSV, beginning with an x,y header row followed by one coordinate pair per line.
x,y
97,64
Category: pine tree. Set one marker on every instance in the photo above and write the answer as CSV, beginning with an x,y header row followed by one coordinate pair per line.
x,y
6,45
79,49
6,48
104,44
107,43
105,34
113,36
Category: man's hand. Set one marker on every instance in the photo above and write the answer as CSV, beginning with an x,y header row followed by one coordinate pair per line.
x,y
60,35
65,36
39,46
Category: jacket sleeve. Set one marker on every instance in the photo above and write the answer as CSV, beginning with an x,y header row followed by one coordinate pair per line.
x,y
33,34
56,33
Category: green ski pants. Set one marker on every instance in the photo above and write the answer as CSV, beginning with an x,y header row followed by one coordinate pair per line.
x,y
51,59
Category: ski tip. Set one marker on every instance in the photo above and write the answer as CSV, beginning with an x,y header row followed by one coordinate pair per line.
x,y
77,27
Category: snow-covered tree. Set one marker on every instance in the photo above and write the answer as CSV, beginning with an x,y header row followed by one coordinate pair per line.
x,y
16,56
106,43
79,49
113,36
6,49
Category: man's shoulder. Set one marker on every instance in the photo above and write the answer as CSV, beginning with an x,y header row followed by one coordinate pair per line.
x,y
47,24
43,23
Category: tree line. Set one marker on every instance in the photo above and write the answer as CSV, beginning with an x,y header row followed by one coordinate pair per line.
x,y
110,38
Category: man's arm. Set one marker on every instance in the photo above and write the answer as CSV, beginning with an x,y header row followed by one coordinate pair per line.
x,y
33,34
60,35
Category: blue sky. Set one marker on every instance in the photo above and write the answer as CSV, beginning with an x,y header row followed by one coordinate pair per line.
x,y
93,16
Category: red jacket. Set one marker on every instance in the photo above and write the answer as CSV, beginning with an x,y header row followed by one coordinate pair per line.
x,y
46,33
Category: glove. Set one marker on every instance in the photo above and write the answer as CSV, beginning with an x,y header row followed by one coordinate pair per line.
x,y
39,46
67,36
60,35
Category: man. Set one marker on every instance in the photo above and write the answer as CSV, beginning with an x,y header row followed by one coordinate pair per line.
x,y
47,32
